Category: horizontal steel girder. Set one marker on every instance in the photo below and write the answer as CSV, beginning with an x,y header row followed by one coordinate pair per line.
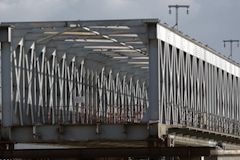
x,y
87,153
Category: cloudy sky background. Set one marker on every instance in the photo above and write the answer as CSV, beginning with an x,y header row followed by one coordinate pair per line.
x,y
209,21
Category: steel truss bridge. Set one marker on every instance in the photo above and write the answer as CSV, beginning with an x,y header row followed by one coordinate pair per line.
x,y
115,83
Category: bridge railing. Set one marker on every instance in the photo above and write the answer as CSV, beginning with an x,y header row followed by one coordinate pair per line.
x,y
188,117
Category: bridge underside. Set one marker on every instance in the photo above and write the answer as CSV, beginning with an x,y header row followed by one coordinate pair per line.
x,y
131,83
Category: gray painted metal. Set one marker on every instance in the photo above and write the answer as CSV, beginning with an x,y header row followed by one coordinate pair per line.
x,y
108,74
6,86
154,75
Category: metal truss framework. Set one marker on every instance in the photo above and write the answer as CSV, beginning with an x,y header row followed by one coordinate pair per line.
x,y
194,91
197,94
111,73
57,86
60,90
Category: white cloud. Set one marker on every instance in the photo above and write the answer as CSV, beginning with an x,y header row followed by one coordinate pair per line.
x,y
208,21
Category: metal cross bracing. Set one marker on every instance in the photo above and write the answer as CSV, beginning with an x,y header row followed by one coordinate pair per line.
x,y
195,93
64,75
196,88
76,74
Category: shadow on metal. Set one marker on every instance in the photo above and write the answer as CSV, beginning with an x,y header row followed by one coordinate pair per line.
x,y
91,153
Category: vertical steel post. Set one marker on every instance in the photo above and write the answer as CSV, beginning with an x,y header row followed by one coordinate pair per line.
x,y
5,39
231,45
154,79
176,17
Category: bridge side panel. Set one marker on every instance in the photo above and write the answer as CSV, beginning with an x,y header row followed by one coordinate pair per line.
x,y
198,88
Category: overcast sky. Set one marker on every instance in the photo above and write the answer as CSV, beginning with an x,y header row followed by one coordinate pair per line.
x,y
209,21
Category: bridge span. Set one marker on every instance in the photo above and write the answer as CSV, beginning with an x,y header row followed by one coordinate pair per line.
x,y
115,83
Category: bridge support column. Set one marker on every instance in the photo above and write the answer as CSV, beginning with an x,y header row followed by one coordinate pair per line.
x,y
154,75
5,39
